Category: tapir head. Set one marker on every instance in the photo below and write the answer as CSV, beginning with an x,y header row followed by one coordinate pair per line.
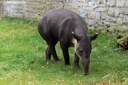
x,y
83,49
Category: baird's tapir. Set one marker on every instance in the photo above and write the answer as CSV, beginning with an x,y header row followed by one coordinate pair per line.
x,y
71,30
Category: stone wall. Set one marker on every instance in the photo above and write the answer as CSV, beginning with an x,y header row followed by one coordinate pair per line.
x,y
0,8
95,12
25,8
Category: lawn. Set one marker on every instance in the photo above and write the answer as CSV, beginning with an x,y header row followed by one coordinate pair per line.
x,y
22,59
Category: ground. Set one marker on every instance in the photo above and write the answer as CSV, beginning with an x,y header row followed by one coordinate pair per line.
x,y
22,59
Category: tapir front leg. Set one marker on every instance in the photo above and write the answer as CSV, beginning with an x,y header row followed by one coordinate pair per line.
x,y
76,61
65,53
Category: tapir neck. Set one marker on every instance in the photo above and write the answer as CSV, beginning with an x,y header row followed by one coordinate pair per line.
x,y
81,31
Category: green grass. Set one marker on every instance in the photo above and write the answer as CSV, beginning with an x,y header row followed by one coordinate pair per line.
x,y
22,59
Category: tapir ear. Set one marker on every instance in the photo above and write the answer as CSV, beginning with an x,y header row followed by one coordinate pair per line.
x,y
93,37
75,36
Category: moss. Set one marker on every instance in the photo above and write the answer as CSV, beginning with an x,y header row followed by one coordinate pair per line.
x,y
123,42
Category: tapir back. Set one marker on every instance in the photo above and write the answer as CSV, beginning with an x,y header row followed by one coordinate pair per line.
x,y
59,24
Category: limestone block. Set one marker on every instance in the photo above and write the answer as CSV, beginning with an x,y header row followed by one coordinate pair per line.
x,y
117,12
121,15
124,10
91,22
87,1
125,19
88,8
69,6
102,8
82,12
80,1
62,0
126,3
104,16
108,20
119,20
59,5
79,5
101,1
98,15
111,3
112,20
120,3
111,11
91,3
92,15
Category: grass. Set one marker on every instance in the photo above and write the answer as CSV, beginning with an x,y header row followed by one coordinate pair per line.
x,y
22,59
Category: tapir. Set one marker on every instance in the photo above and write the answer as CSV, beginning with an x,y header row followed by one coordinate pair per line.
x,y
71,30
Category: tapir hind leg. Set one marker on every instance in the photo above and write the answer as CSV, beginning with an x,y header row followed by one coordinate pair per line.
x,y
52,50
48,54
76,61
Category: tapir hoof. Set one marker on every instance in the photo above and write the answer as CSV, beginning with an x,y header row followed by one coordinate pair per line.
x,y
48,61
86,74
58,61
67,63
76,66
